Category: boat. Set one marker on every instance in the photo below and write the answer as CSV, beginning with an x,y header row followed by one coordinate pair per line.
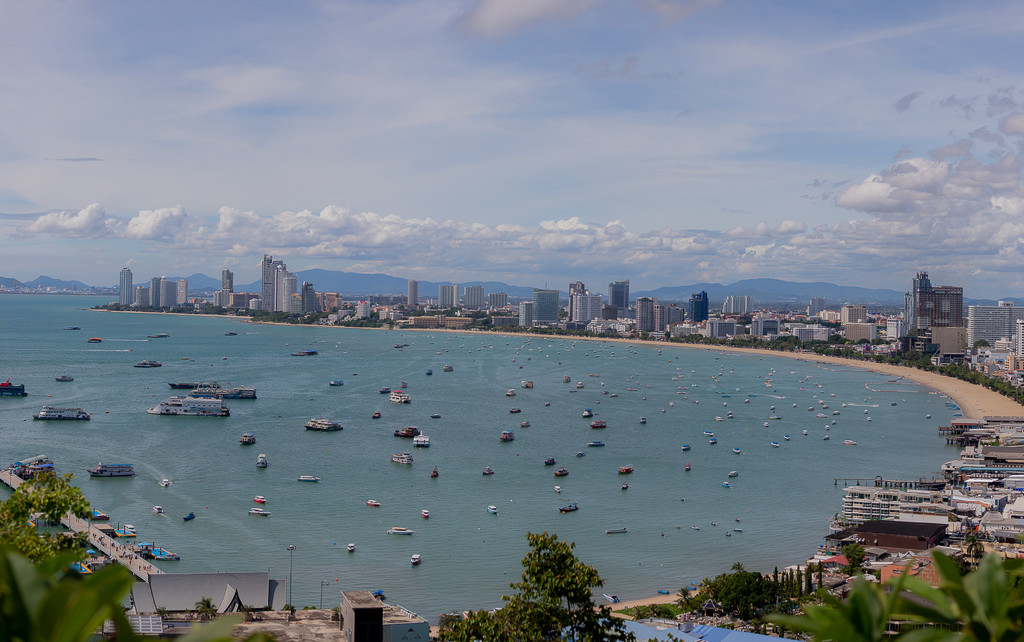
x,y
72,327
323,425
425,513
736,450
63,378
386,390
579,385
786,437
165,482
188,385
248,438
493,510
588,413
336,382
708,433
433,473
398,396
725,485
261,461
189,517
415,559
685,447
625,470
524,424
849,442
399,530
774,444
230,334
223,393
598,424
447,368
8,389
436,415
595,444
737,530
514,411
429,372
191,406
581,454
687,466
733,473
825,438
111,470
712,441
488,471
305,353
375,415
805,432
558,489
566,379
507,435
148,364
403,385
351,547
259,511
407,432
99,516
573,506
158,510
550,461
61,414
562,472
510,393
308,478
625,485
643,420
260,499
401,458
526,384
695,527
421,441
94,340
373,502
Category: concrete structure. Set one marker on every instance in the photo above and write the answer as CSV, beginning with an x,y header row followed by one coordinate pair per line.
x,y
861,331
496,300
268,282
500,321
310,301
364,618
474,297
815,305
585,307
609,312
526,314
332,301
738,304
363,309
763,326
127,290
413,295
853,314
865,503
447,296
154,292
894,536
285,286
719,328
168,293
928,305
895,328
992,322
645,314
661,315
182,297
227,280
141,298
810,332
575,288
618,294
950,340
545,306
698,307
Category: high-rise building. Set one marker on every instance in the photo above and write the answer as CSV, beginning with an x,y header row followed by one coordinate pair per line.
x,y
168,293
526,314
618,294
660,317
310,301
474,297
269,298
850,313
227,280
585,307
928,305
815,305
497,300
645,314
1018,338
992,322
545,306
738,304
286,286
413,296
154,292
182,297
141,296
761,326
575,288
447,296
126,295
699,307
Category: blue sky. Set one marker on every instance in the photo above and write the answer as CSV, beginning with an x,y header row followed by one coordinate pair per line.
x,y
663,141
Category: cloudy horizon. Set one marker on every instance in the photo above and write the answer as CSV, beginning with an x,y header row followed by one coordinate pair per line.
x,y
663,141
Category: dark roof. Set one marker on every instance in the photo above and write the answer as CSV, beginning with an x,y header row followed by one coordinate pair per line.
x,y
900,527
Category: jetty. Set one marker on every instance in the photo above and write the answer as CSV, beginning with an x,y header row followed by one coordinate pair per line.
x,y
101,537
880,482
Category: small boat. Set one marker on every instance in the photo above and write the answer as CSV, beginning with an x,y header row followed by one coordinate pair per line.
x,y
737,530
849,442
430,372
158,335
72,327
804,432
725,485
230,334
305,353
488,471
386,390
736,450
733,473
247,438
507,435
373,502
447,368
595,444
336,382
259,511
588,413
433,473
375,415
435,416
550,461
524,424
64,378
351,547
558,489
598,424
561,472
685,447
581,454
712,441
579,385
514,411
189,517
566,379
94,340
774,444
261,461
425,513
687,467
510,392
643,420
403,385
625,470
308,478
786,437
399,530
165,482
825,438
158,510
573,506
407,432
625,485
148,364
260,499
415,559
401,458
493,510
708,433
696,528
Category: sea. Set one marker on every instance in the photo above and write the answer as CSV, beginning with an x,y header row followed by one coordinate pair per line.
x,y
681,526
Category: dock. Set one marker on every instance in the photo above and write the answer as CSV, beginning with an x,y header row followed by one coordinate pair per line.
x,y
880,482
101,537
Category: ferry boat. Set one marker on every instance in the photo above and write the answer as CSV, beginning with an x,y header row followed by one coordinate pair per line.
x,y
625,470
111,470
323,425
308,478
188,385
447,368
63,378
94,340
588,413
248,438
562,472
401,458
255,510
261,460
598,424
399,530
148,364
421,441
191,406
8,389
573,506
59,414
407,432
398,396
305,353
507,435
223,393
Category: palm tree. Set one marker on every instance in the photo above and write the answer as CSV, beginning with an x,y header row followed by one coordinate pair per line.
x,y
974,548
738,567
205,608
684,599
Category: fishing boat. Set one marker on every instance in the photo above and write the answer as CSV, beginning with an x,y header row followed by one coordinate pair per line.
x,y
189,517
625,470
308,478
493,510
261,461
598,424
247,438
433,473
550,461
507,435
415,559
685,447
399,530
573,506
407,432
587,413
488,471
562,472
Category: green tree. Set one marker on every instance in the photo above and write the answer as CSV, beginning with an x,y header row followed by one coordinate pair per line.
x,y
553,601
854,554
52,496
974,549
205,608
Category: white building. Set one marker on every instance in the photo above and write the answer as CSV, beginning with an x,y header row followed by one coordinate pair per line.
x,y
810,332
447,296
585,307
127,292
895,328
474,297
992,322
853,314
497,300
526,314
738,305
762,326
182,297
363,309
719,328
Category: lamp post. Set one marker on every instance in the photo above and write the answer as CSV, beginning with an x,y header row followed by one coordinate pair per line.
x,y
291,554
323,583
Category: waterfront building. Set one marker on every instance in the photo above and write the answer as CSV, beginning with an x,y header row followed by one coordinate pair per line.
x,y
182,297
805,332
645,314
332,301
609,312
499,321
576,287
816,305
526,314
719,328
660,317
141,296
363,310
268,269
585,307
310,301
861,331
865,503
496,300
227,280
928,305
738,304
413,295
545,306
243,300
364,617
168,293
699,307
850,313
127,291
618,294
992,322
447,296
763,326
154,292
474,297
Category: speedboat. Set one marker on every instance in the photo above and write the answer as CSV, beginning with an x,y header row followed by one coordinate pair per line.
x,y
849,442
189,517
375,415
733,473
64,378
725,484
425,513
595,444
260,499
685,447
736,450
261,460
558,489
165,482
158,510
255,510
825,438
550,461
351,547
308,478
373,502
493,510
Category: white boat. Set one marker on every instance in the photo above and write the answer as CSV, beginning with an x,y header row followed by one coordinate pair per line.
x,y
373,502
323,425
425,513
558,489
825,438
191,406
774,444
398,396
261,461
849,442
493,510
510,393
158,509
60,414
421,441
399,530
255,510
733,473
614,599
111,470
351,547
401,458
415,559
308,478
165,482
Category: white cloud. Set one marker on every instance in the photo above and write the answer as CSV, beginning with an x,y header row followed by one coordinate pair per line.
x,y
163,225
90,222
1013,125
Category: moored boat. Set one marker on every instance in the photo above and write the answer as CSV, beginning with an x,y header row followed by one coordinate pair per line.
x,y
336,382
191,406
64,378
323,425
259,511
425,513
434,473
261,460
373,503
550,461
399,530
62,414
259,499
421,441
247,438
488,471
595,444
308,478
415,559
407,432
189,517
598,424
111,470
562,472
398,396
166,483
625,470
493,510
573,506
685,447
401,458
305,353
587,413
507,435
148,364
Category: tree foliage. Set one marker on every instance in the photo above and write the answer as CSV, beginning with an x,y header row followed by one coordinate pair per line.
x,y
51,496
553,601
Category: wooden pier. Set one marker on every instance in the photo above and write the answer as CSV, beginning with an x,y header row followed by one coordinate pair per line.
x,y
100,537
880,482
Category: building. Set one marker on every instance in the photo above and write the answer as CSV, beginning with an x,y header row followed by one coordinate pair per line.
x,y
545,306
618,294
526,314
805,332
154,292
227,280
474,297
286,286
243,300
816,305
719,328
950,340
575,288
992,322
645,314
698,307
895,328
332,301
364,618
738,304
850,313
499,321
763,326
928,305
141,296
310,301
861,331
182,297
413,296
585,307
231,592
497,300
609,312
363,309
268,269
168,293
866,503
661,315
894,536
126,294
447,296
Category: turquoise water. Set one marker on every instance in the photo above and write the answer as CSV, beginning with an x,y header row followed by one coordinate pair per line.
x,y
783,496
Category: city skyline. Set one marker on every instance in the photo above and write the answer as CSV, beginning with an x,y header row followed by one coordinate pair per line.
x,y
663,142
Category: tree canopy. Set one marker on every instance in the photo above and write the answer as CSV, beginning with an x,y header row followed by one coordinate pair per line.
x,y
51,496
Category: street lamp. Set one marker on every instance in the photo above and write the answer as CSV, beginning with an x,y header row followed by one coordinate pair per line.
x,y
291,554
323,583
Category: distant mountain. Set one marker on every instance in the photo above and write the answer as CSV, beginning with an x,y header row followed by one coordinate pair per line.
x,y
766,291
49,282
196,282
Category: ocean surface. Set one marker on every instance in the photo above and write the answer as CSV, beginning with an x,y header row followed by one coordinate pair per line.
x,y
782,497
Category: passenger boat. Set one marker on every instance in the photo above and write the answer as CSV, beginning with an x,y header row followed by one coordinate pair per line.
x,y
421,441
550,461
248,438
561,472
407,432
61,414
308,478
434,473
260,499
573,506
425,513
191,406
734,473
595,444
305,353
399,530
507,435
259,511
493,510
685,447
334,383
373,503
588,413
148,364
323,425
94,340
514,411
398,396
625,470
111,470
415,559
401,458
488,471
189,517
598,424
63,378
375,415
165,482
261,461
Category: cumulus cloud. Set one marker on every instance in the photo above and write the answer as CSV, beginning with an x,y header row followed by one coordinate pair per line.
x,y
91,222
1013,125
167,224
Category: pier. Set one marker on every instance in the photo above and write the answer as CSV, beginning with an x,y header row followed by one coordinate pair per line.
x,y
101,537
880,482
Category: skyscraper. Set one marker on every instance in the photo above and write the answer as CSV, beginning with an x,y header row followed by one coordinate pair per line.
x,y
699,307
738,304
928,305
585,307
285,286
474,297
545,306
618,294
310,303
141,296
644,314
182,297
413,297
168,292
227,281
497,300
575,288
816,305
447,296
268,284
154,292
127,292
526,314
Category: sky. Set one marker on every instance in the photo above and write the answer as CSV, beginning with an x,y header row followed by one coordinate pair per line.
x,y
528,141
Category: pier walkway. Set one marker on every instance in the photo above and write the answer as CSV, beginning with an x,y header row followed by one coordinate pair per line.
x,y
879,482
100,537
